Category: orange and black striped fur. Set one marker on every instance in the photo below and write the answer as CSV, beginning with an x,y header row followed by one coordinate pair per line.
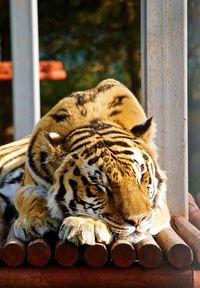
x,y
91,171
12,159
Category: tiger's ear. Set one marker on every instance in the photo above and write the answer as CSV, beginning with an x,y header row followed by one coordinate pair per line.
x,y
53,139
144,130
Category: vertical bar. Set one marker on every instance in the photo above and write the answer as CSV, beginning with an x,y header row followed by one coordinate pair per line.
x,y
25,56
164,89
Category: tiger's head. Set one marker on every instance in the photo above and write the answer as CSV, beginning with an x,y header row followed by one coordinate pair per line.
x,y
108,173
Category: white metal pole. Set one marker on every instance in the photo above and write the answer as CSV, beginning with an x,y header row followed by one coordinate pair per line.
x,y
25,58
164,87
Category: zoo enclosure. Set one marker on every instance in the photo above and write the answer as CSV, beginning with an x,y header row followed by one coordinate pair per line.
x,y
164,82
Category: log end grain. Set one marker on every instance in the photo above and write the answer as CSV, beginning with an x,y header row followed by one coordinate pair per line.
x,y
38,252
150,255
123,253
13,253
96,255
66,253
180,256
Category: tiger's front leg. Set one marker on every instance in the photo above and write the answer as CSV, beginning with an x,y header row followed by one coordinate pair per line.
x,y
34,220
85,230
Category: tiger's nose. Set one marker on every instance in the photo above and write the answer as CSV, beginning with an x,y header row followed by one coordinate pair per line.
x,y
135,221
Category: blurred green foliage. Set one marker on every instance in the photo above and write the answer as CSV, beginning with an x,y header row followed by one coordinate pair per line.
x,y
95,40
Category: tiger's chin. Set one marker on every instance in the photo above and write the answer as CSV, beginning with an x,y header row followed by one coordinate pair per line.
x,y
134,237
131,233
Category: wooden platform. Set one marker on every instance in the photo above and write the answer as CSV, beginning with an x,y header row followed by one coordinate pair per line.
x,y
104,277
172,259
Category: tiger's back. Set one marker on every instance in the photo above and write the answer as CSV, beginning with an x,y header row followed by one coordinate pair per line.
x,y
12,160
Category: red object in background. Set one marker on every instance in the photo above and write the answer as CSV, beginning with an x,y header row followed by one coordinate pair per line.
x,y
49,70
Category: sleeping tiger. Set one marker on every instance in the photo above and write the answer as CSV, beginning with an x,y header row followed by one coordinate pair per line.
x,y
91,171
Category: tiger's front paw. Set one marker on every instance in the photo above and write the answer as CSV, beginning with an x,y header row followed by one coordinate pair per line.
x,y
85,230
27,229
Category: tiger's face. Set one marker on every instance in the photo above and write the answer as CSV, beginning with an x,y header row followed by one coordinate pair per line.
x,y
113,177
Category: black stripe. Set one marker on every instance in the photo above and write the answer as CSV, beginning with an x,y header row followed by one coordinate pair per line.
x,y
72,205
95,124
145,157
30,156
101,168
43,156
78,140
105,87
61,115
80,146
118,101
61,192
115,112
64,209
73,185
89,193
123,152
32,163
15,179
58,118
84,180
93,160
116,143
83,97
110,132
75,156
96,158
77,171
11,159
80,130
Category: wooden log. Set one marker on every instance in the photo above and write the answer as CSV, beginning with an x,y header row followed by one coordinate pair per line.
x,y
96,256
189,233
14,250
196,277
149,253
194,212
66,253
3,233
38,252
177,251
122,253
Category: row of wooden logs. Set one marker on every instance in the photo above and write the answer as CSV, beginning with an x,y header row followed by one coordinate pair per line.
x,y
180,244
